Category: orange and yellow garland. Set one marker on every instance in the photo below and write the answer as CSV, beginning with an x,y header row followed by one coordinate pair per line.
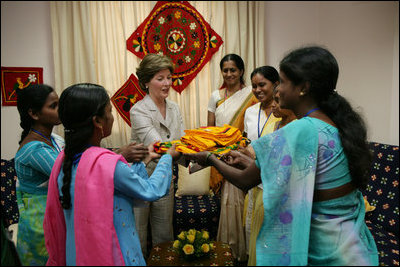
x,y
218,140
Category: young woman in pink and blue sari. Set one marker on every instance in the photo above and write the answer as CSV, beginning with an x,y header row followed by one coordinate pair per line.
x,y
311,171
89,216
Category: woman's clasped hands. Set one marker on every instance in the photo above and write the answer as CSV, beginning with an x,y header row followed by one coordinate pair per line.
x,y
134,152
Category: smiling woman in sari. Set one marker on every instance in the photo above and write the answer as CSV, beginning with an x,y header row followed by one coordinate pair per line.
x,y
311,171
227,106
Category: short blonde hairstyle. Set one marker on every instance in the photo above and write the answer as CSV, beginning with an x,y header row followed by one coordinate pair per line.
x,y
150,65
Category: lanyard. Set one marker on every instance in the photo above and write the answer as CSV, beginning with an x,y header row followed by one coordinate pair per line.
x,y
77,157
258,124
51,140
279,124
310,111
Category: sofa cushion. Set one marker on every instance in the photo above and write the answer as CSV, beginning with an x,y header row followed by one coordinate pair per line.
x,y
9,205
382,190
197,183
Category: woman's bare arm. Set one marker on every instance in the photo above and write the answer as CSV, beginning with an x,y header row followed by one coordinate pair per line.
x,y
244,179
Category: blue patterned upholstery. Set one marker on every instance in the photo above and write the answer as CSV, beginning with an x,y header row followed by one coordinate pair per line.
x,y
196,212
383,192
9,205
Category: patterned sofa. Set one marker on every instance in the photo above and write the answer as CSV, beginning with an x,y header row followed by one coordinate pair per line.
x,y
9,205
202,212
383,192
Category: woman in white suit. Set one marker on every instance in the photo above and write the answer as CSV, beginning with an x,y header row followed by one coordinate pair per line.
x,y
155,118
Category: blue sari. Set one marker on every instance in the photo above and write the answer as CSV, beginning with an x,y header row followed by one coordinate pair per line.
x,y
294,161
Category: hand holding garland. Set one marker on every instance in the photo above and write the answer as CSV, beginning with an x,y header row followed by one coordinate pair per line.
x,y
245,178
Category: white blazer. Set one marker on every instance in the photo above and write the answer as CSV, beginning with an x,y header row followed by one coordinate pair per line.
x,y
148,125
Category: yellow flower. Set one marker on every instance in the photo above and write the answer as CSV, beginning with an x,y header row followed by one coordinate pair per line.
x,y
188,249
176,244
181,236
192,232
190,238
193,243
205,248
205,235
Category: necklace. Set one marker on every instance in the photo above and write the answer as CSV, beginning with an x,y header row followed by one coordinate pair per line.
x,y
226,94
51,140
310,111
258,123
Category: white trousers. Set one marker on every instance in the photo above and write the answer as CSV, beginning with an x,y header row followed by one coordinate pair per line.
x,y
160,213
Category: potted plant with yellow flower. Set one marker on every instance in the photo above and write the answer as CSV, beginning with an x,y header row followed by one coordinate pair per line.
x,y
193,244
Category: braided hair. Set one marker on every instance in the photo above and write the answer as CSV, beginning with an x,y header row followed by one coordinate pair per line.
x,y
78,105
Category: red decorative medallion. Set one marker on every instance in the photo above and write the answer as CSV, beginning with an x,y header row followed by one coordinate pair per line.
x,y
178,31
17,77
127,96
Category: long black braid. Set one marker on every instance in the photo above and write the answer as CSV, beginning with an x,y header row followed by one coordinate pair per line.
x,y
78,105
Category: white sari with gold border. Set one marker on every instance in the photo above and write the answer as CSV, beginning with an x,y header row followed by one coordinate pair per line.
x,y
230,230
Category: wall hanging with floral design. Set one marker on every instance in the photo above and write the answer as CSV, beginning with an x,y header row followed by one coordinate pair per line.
x,y
179,31
127,96
17,77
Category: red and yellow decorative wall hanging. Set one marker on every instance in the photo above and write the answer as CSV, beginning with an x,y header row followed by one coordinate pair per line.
x,y
179,31
13,78
127,96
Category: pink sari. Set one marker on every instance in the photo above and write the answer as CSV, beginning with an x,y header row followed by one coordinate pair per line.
x,y
95,236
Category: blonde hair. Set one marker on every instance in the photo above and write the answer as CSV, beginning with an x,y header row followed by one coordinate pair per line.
x,y
150,65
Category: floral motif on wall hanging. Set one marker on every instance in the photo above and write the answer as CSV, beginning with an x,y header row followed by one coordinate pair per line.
x,y
127,96
177,30
13,78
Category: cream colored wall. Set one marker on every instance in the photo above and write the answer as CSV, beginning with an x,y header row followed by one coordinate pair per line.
x,y
25,42
362,35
